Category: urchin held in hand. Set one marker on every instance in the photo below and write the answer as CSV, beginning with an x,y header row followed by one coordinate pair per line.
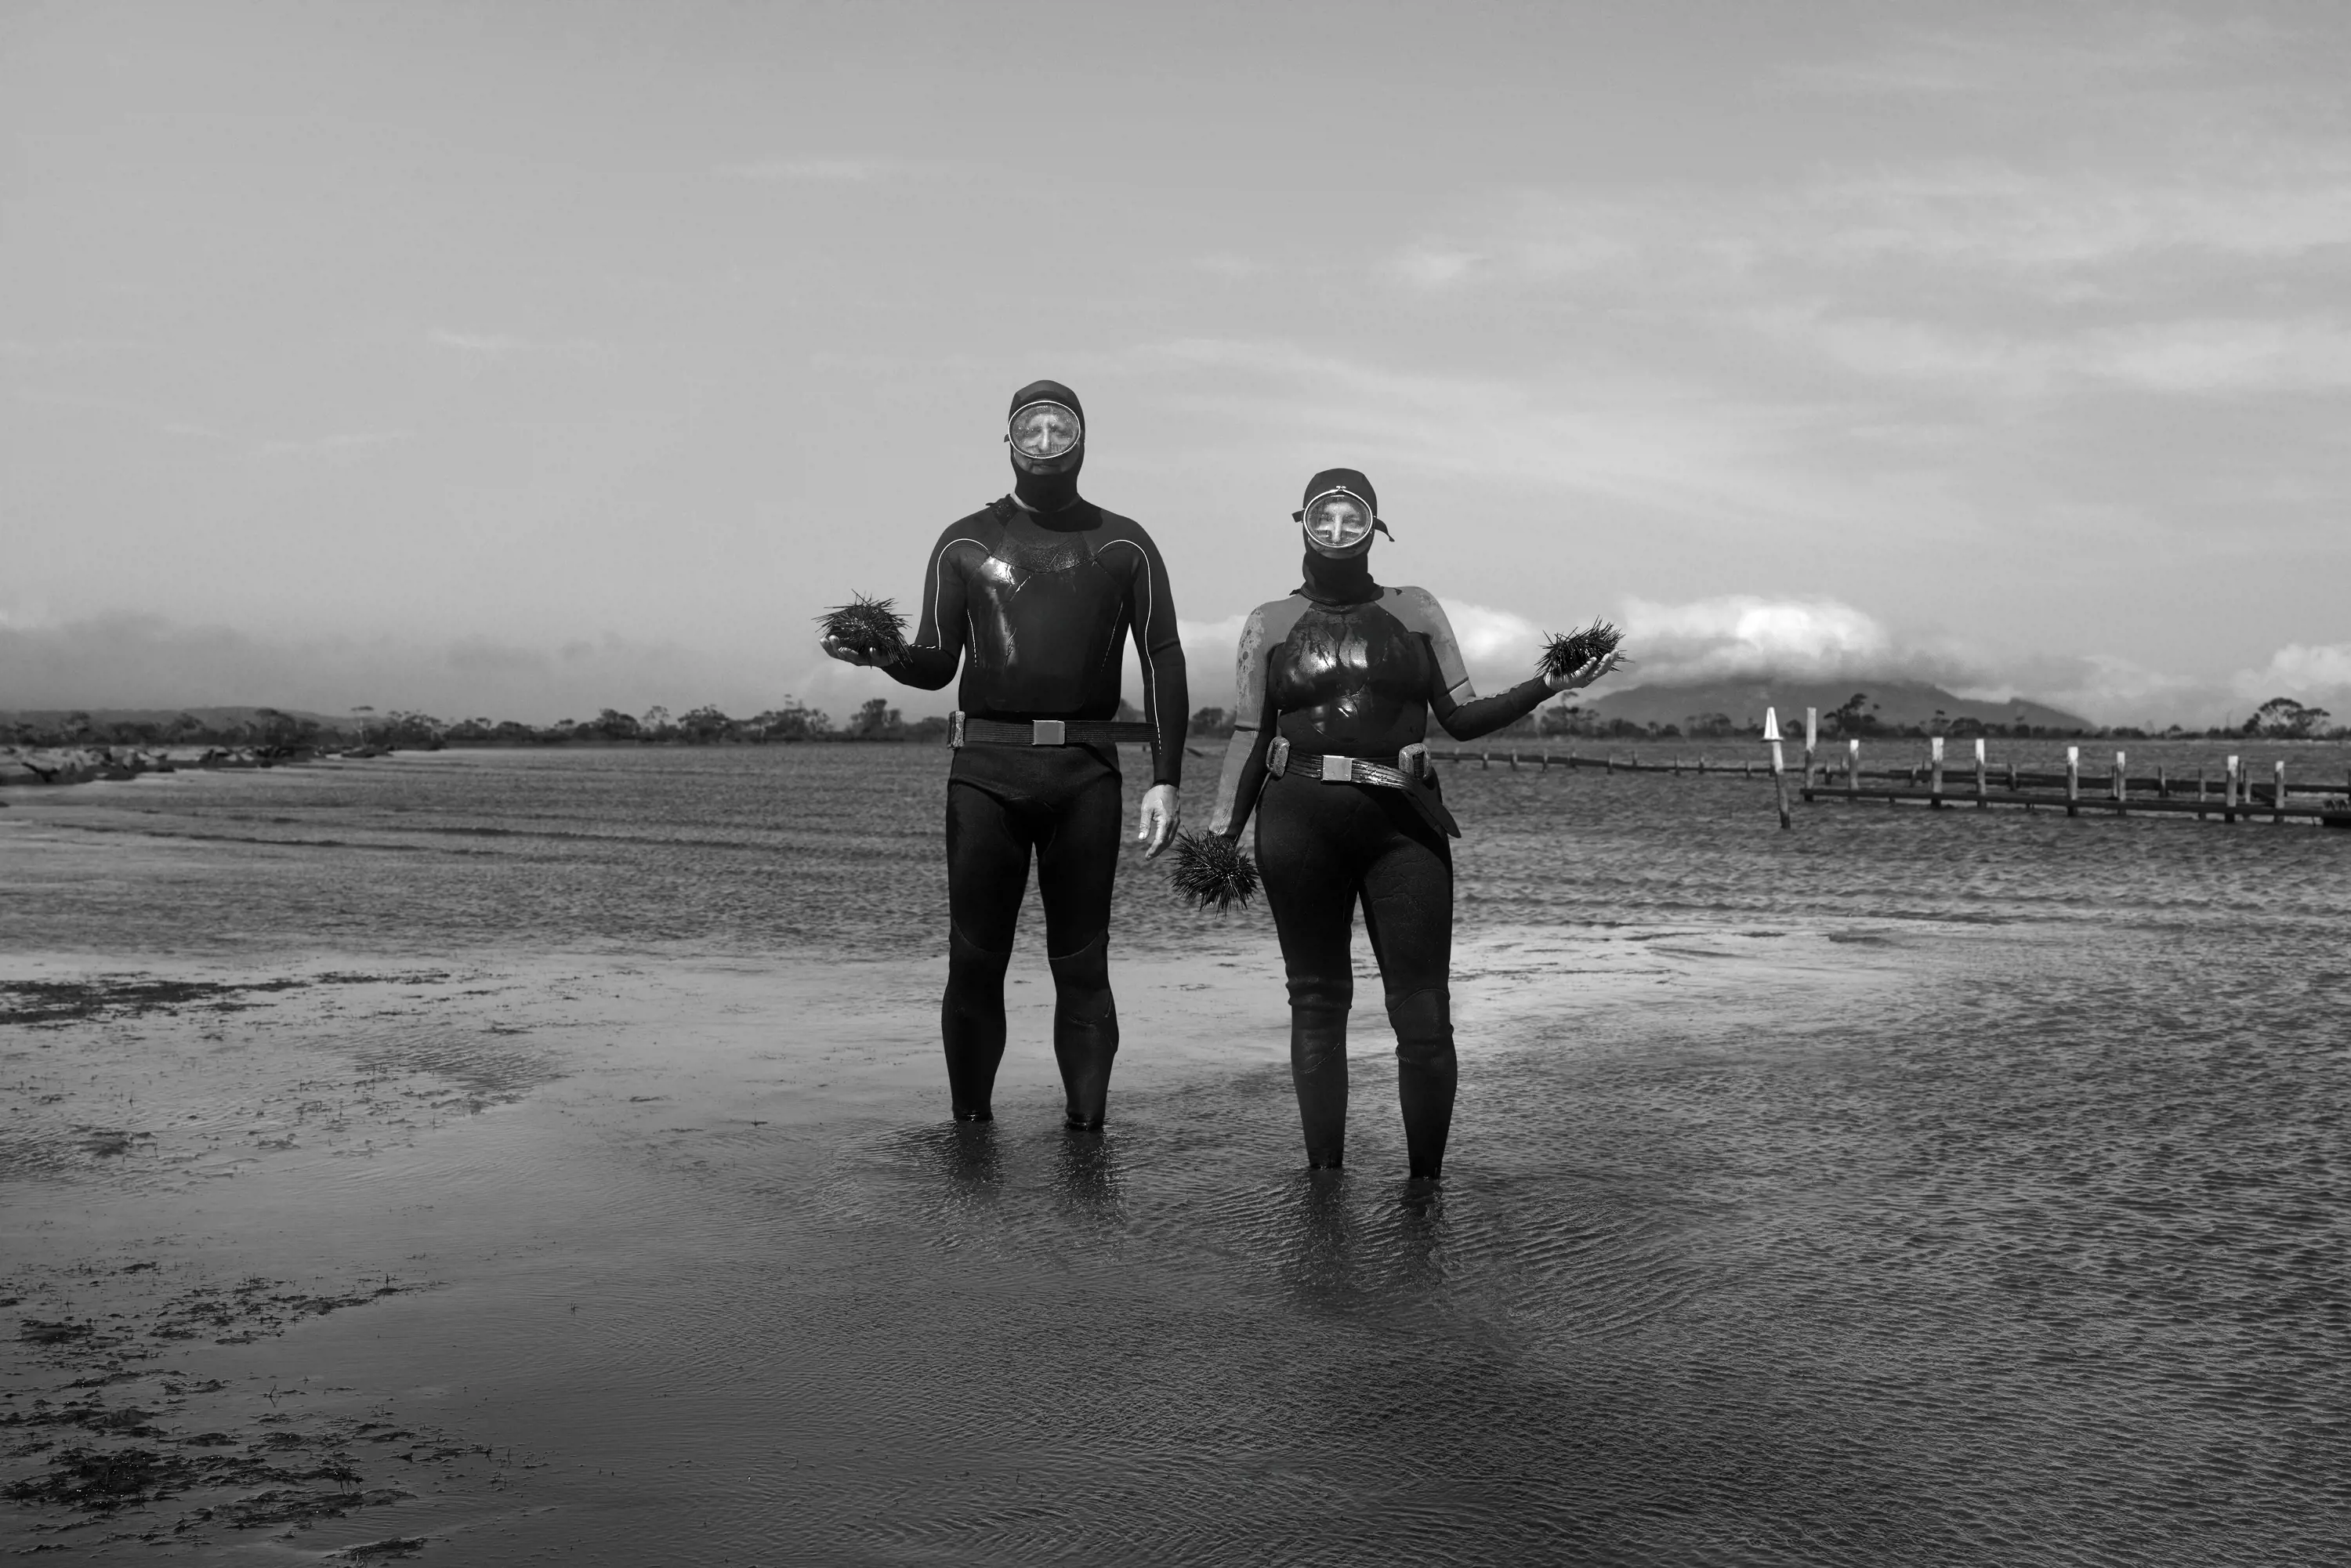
x,y
1212,872
1569,653
871,627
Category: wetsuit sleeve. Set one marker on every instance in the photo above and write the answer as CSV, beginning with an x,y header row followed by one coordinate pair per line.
x,y
1243,775
1167,693
1453,700
936,647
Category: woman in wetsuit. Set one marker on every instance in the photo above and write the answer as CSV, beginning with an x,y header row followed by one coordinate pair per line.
x,y
1337,683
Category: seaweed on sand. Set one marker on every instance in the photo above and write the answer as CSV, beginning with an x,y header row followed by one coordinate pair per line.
x,y
1212,872
871,626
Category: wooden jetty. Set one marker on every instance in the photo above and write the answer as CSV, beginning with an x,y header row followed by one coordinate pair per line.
x,y
1938,783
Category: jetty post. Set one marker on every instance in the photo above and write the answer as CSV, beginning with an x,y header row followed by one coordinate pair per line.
x,y
2277,790
2228,793
1778,765
1812,739
1934,772
1981,803
2122,784
1853,771
2073,780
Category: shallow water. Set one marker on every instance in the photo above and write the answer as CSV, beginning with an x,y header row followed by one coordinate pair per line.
x,y
1932,1187
838,848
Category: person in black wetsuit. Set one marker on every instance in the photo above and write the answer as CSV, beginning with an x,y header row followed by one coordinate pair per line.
x,y
1035,595
1337,683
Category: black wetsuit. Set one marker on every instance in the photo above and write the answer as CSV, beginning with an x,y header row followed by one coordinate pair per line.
x,y
1345,667
1036,606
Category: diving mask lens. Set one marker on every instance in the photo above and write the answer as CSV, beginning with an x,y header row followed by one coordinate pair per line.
x,y
1337,519
1045,430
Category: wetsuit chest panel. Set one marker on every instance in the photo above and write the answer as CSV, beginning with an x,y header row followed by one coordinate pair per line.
x,y
1047,619
1351,679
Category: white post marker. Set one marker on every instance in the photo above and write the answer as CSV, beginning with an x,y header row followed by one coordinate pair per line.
x,y
1852,767
1980,772
1812,739
1934,772
2229,794
2073,780
1779,763
2277,784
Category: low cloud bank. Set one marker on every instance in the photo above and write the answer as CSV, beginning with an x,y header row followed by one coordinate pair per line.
x,y
148,662
1747,636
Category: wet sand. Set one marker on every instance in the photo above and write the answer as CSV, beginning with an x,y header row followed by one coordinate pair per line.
x,y
660,1260
276,1239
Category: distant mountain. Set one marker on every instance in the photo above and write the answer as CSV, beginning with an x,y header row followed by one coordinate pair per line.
x,y
1899,704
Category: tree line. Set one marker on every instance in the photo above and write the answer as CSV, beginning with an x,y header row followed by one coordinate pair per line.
x,y
272,730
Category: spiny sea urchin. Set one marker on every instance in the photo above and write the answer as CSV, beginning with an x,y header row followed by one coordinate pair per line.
x,y
1212,872
871,626
1567,653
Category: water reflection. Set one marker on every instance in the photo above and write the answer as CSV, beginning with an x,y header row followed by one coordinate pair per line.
x,y
1086,1178
1317,1256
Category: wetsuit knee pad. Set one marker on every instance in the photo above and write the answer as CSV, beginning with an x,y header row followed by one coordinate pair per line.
x,y
1424,1025
968,962
1082,979
1322,994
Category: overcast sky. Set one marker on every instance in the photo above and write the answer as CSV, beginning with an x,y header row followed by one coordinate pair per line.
x,y
521,360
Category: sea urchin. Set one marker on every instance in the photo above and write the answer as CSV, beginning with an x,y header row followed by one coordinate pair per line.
x,y
871,626
1212,872
1569,652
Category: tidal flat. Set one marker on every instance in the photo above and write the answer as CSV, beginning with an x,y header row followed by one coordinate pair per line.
x,y
499,1159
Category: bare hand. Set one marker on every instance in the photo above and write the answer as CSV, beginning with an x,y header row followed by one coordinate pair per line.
x,y
1155,827
1583,675
847,654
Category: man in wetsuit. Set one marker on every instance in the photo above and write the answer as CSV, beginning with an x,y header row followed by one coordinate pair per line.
x,y
1035,595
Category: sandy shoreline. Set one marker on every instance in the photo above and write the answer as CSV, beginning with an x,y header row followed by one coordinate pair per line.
x,y
261,1223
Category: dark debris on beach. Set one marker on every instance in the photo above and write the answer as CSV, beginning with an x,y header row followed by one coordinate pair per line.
x,y
130,995
229,1454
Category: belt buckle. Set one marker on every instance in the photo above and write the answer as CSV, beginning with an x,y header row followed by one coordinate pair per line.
x,y
1048,731
1338,769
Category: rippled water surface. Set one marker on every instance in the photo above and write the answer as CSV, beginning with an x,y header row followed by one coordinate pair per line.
x,y
1974,1193
802,849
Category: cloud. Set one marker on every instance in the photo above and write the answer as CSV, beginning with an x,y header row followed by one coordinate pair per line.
x,y
1744,634
813,170
332,446
486,343
1638,440
147,661
2210,357
2304,673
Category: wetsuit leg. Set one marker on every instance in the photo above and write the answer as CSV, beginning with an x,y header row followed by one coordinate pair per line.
x,y
1408,912
1077,865
1310,840
987,872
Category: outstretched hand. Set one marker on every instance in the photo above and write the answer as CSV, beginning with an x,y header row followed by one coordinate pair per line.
x,y
1583,675
848,654
1155,826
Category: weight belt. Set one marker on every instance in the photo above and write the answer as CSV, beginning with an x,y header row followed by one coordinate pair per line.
x,y
965,730
1410,772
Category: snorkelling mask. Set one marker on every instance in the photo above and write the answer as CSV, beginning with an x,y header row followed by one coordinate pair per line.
x,y
1340,514
1044,430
